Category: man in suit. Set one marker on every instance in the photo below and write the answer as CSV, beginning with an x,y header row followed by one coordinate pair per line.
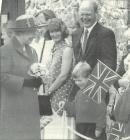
x,y
93,41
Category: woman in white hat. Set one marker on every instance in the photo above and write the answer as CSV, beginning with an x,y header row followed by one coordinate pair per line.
x,y
19,110
43,46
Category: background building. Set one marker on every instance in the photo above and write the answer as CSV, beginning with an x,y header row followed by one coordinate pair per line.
x,y
13,8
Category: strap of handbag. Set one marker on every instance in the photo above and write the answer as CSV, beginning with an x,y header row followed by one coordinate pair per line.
x,y
41,56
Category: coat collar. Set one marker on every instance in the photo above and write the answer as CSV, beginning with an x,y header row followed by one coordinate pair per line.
x,y
90,28
17,44
92,37
93,32
19,48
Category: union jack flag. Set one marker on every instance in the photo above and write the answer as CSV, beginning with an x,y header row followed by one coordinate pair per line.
x,y
101,78
116,131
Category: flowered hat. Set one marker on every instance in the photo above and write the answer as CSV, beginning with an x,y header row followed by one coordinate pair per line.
x,y
49,14
23,23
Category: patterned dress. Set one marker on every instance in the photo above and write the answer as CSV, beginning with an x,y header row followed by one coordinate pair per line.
x,y
58,127
62,93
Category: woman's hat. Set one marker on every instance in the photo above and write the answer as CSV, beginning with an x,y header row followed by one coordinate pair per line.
x,y
49,14
23,23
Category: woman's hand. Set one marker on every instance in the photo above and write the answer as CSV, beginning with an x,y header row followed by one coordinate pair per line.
x,y
61,104
48,92
124,82
98,133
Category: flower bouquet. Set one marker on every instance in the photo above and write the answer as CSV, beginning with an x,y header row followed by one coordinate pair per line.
x,y
39,70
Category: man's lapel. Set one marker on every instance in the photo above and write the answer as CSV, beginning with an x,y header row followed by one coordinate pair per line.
x,y
92,38
77,37
76,40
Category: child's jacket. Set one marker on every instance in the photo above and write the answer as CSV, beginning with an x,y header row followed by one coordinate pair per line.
x,y
88,111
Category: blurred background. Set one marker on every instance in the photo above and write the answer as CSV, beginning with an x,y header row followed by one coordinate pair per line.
x,y
112,13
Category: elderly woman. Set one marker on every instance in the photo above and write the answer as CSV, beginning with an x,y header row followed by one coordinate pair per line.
x,y
19,110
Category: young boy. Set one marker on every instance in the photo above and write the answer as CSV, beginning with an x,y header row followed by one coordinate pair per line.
x,y
90,116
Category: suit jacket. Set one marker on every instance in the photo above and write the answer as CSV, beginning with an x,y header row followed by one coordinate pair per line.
x,y
101,45
19,108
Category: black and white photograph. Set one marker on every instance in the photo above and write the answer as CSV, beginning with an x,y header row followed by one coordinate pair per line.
x,y
65,70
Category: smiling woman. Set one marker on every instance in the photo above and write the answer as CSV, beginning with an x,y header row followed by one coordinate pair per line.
x,y
60,83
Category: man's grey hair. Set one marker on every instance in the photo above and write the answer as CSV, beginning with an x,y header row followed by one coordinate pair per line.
x,y
95,4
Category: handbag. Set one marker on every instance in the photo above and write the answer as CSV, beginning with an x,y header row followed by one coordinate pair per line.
x,y
44,100
44,105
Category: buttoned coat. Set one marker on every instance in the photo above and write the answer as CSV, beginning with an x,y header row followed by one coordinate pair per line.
x,y
19,109
101,45
86,110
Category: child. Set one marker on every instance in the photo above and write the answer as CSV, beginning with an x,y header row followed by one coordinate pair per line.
x,y
90,116
122,104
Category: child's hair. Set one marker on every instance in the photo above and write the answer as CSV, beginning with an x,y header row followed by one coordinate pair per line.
x,y
81,69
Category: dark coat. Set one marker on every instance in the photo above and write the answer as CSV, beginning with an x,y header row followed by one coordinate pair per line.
x,y
86,110
101,45
19,109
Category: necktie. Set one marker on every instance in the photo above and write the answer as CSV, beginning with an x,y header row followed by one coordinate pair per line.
x,y
24,51
84,42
